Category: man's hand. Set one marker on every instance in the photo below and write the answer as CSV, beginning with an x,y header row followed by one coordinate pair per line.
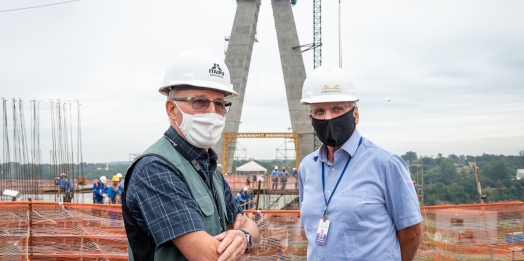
x,y
233,242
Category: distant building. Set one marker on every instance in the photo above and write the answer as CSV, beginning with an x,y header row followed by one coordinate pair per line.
x,y
520,174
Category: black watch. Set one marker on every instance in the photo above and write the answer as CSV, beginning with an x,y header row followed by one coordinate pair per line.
x,y
249,239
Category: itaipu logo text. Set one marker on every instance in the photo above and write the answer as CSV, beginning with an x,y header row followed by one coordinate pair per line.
x,y
327,88
216,71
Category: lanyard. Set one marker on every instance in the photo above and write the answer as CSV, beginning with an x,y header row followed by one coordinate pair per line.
x,y
336,185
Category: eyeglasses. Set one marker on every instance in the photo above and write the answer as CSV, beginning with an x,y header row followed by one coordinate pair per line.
x,y
200,104
337,110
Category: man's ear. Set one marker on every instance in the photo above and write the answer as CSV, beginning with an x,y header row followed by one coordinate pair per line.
x,y
355,113
170,110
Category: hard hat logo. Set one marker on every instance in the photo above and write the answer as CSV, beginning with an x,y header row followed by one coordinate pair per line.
x,y
216,71
335,88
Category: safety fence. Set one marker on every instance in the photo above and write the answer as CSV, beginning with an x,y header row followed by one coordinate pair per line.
x,y
32,230
473,232
239,181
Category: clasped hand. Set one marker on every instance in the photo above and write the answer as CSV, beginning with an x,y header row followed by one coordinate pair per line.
x,y
233,242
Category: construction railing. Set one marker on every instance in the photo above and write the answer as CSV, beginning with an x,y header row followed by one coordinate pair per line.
x,y
239,181
32,230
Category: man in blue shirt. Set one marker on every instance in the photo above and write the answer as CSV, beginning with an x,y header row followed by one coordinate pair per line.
x,y
246,197
284,173
66,187
295,174
274,178
99,190
160,208
354,193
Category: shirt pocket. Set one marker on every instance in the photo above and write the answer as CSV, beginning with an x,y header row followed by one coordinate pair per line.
x,y
350,208
206,205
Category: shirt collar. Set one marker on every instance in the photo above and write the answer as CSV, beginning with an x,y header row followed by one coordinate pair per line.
x,y
350,147
193,152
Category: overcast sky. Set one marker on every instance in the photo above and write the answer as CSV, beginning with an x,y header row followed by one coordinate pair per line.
x,y
452,70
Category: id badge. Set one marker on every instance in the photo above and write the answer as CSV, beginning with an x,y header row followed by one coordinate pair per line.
x,y
322,232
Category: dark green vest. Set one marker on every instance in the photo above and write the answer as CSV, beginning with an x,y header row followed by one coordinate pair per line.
x,y
214,219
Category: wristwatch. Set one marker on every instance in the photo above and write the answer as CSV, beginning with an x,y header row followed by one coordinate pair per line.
x,y
249,239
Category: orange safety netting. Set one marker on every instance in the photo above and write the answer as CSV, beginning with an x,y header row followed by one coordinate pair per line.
x,y
69,231
473,232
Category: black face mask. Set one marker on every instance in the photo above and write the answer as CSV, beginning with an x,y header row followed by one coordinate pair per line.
x,y
336,131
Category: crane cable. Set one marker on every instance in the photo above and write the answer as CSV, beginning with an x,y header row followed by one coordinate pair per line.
x,y
339,39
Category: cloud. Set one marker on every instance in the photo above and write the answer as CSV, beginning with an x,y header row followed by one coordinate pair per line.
x,y
452,70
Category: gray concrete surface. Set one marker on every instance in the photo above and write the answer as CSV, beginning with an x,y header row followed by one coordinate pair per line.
x,y
238,59
294,74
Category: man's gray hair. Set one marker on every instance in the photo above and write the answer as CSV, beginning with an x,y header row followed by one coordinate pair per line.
x,y
172,93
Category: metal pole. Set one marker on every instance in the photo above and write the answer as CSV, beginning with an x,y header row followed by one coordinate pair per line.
x,y
258,194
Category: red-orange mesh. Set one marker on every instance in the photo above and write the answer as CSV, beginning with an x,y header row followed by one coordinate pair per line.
x,y
53,231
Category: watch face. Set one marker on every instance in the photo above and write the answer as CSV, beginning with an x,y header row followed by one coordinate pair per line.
x,y
249,242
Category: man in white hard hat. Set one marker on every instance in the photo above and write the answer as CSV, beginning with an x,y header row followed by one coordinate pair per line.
x,y
357,192
246,196
274,178
99,190
176,203
295,174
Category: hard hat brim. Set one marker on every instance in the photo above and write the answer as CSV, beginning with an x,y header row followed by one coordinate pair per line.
x,y
329,98
227,91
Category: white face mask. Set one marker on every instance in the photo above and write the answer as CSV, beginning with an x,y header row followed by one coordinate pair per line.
x,y
202,130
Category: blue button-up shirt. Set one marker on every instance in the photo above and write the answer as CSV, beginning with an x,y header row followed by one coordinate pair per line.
x,y
374,199
275,173
159,198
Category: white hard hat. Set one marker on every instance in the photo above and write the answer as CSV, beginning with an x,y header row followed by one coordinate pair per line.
x,y
276,167
119,175
245,188
328,83
103,179
198,68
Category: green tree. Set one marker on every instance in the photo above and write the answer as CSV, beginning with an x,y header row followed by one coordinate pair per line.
x,y
410,157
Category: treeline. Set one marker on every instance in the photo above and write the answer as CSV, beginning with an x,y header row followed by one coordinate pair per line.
x,y
451,180
443,180
47,171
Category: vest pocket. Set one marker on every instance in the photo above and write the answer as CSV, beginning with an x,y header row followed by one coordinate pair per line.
x,y
206,205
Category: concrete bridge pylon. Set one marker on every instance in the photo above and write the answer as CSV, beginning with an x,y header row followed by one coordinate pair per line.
x,y
238,60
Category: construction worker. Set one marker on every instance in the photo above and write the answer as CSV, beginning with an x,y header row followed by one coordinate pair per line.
x,y
120,188
176,203
66,187
359,193
295,174
99,190
112,190
274,178
246,197
283,179
239,197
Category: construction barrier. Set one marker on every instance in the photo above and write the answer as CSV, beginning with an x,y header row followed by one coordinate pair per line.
x,y
33,230
239,181
473,232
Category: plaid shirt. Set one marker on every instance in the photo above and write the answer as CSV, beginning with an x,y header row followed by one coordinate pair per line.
x,y
159,198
